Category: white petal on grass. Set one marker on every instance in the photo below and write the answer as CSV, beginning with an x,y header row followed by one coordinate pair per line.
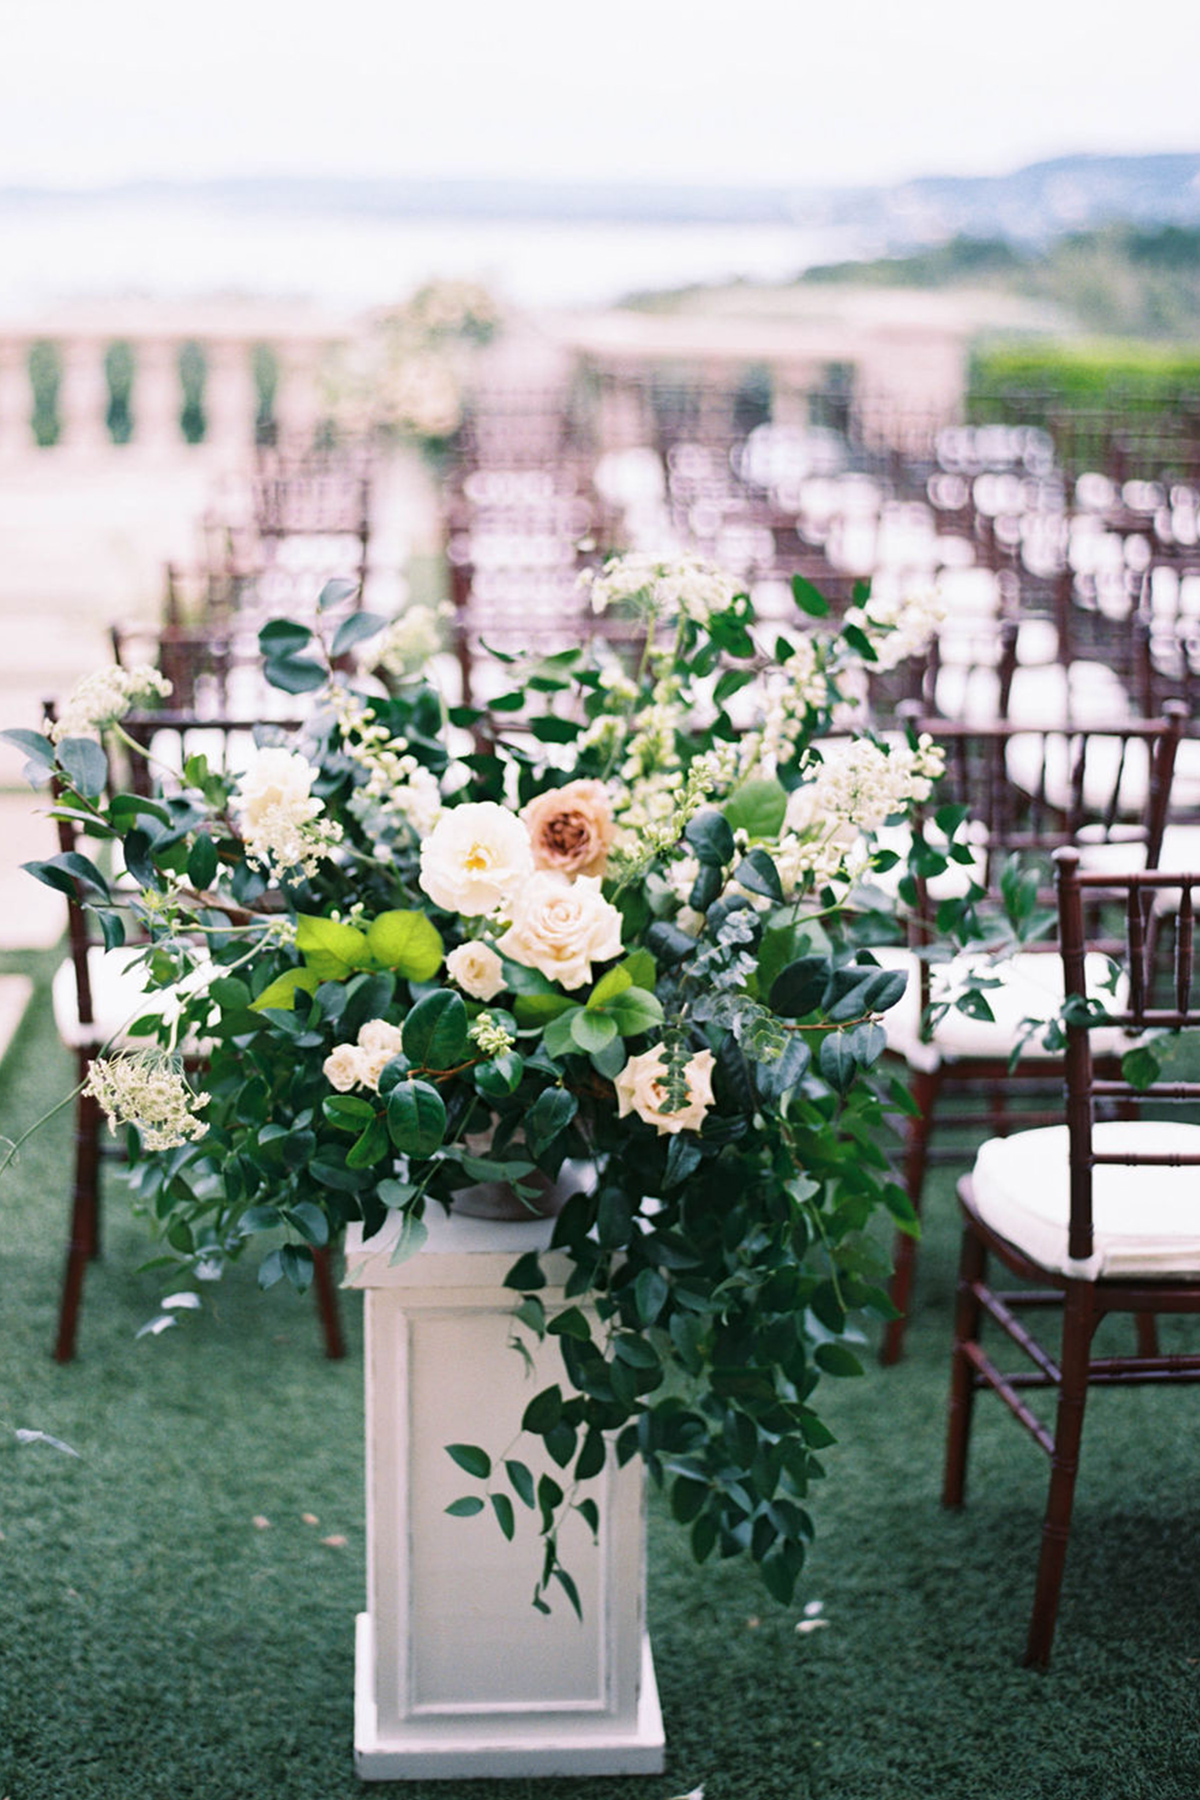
x,y
814,1608
155,1327
807,1625
696,1793
184,1302
25,1436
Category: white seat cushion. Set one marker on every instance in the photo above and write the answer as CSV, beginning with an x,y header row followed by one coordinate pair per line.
x,y
1146,1220
1032,988
116,978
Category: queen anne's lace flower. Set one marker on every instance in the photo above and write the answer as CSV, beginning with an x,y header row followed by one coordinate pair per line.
x,y
279,814
147,1089
897,629
105,696
685,584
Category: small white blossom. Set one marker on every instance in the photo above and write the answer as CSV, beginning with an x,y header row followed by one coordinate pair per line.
x,y
146,1089
105,696
410,641
684,584
279,814
900,628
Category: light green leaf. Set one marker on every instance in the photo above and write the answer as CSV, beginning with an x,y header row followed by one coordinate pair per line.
x,y
281,992
407,942
329,948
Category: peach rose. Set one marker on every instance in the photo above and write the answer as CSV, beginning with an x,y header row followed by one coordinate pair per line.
x,y
562,927
571,828
477,970
640,1089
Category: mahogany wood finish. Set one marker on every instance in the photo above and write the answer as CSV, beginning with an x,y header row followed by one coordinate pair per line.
x,y
91,1140
1032,822
1081,1303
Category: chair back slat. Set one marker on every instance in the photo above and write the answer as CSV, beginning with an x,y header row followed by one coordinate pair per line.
x,y
1082,897
1183,951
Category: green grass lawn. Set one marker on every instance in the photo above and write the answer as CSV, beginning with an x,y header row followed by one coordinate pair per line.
x,y
156,1641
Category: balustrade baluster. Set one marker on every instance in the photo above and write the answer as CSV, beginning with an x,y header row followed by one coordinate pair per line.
x,y
157,396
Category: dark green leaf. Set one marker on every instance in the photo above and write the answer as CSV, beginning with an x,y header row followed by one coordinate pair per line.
x,y
435,1031
502,1506
522,1481
808,598
797,990
466,1508
416,1118
549,1115
711,838
470,1457
543,1412
85,765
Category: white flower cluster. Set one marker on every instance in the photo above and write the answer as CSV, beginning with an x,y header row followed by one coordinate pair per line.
x,y
804,688
653,813
398,787
684,584
147,1089
278,814
855,790
409,642
897,629
864,784
105,696
490,1037
362,1063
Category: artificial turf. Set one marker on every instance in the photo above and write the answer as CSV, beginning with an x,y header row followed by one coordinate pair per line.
x,y
157,1639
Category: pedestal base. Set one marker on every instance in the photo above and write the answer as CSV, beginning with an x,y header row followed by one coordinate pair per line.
x,y
495,1747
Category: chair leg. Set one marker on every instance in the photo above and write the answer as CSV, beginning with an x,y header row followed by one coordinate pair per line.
x,y
924,1090
327,1306
1079,1323
1146,1326
84,1238
967,1315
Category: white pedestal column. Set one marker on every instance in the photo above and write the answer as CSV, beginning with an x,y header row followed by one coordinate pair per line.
x,y
456,1673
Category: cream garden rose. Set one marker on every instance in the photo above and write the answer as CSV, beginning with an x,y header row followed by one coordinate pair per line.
x,y
562,927
571,828
279,814
641,1090
362,1063
475,859
477,969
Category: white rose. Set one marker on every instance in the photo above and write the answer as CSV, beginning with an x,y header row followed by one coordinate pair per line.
x,y
475,859
344,1068
640,1089
477,970
377,1035
277,778
562,927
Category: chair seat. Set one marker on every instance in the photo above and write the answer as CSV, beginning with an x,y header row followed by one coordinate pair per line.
x,y
1146,1219
1031,988
118,998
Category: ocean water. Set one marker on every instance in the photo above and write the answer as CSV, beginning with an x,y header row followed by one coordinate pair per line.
x,y
106,248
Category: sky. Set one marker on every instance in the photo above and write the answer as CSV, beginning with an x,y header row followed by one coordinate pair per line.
x,y
708,91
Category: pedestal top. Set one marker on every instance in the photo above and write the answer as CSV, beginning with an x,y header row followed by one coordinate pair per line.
x,y
459,1252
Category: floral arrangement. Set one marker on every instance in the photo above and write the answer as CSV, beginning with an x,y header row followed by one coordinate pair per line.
x,y
408,373
614,922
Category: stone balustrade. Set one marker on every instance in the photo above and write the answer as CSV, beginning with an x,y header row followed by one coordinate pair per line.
x,y
206,381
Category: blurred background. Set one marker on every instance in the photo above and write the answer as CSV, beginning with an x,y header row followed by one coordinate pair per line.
x,y
456,301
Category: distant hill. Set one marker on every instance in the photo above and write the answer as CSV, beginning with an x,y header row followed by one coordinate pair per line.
x,y
1030,206
1122,280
